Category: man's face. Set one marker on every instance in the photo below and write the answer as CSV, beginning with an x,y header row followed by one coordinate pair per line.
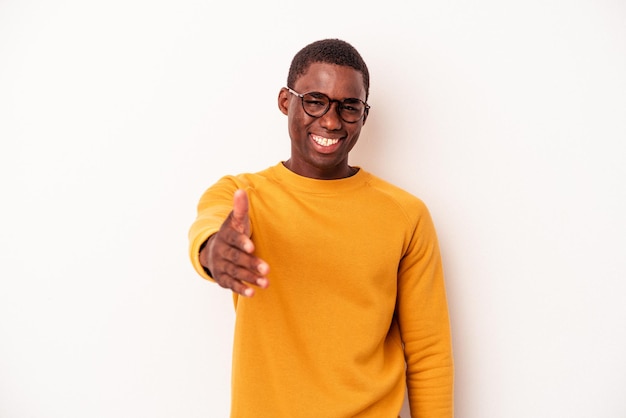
x,y
320,146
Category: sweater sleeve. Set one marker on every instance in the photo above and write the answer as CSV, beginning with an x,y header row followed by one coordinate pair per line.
x,y
213,208
424,324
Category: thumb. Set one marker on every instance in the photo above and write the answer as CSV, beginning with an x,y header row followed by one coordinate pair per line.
x,y
240,210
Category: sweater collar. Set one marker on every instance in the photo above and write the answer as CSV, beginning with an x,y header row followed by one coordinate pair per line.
x,y
317,186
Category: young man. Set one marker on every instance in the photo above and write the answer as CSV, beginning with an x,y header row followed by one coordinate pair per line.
x,y
337,278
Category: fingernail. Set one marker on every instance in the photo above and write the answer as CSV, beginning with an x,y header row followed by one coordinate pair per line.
x,y
263,268
262,282
248,292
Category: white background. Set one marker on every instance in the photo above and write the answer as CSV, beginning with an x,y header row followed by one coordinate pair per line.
x,y
507,118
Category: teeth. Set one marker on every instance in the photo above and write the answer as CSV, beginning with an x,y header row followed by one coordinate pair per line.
x,y
325,142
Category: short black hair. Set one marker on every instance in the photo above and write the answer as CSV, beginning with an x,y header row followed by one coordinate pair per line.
x,y
330,51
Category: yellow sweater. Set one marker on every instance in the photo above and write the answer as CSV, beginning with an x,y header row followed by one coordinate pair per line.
x,y
356,284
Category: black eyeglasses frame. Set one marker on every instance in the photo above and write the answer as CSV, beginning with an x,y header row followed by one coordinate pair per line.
x,y
340,105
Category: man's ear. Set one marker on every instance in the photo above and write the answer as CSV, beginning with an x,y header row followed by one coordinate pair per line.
x,y
365,115
283,100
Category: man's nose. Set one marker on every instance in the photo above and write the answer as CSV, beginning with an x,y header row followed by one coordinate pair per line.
x,y
331,120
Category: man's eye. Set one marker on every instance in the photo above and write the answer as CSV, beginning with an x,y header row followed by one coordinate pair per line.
x,y
355,108
315,103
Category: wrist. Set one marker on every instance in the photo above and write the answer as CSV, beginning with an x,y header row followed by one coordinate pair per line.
x,y
204,255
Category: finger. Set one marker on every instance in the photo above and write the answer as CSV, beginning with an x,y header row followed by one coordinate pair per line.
x,y
252,272
240,208
238,279
236,239
236,286
231,259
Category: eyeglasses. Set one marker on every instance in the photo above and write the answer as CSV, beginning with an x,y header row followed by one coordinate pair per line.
x,y
316,105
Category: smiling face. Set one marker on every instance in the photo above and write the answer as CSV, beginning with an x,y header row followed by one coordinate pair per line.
x,y
320,146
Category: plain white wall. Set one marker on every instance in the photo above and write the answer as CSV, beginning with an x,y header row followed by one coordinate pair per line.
x,y
507,118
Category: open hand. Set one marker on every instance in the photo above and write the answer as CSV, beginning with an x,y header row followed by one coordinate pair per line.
x,y
228,253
